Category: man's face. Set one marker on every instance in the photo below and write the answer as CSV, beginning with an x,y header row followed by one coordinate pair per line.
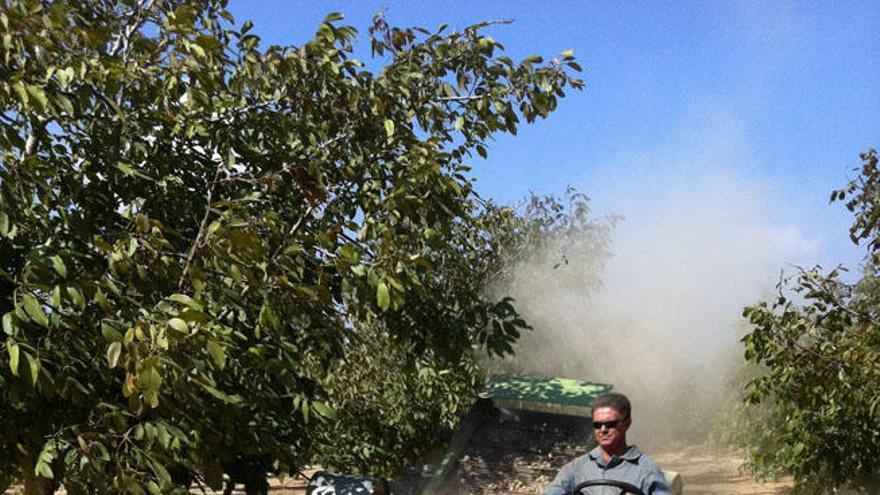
x,y
610,437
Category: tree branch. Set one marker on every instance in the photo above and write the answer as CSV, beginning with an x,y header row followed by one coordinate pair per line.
x,y
462,98
198,240
135,21
293,230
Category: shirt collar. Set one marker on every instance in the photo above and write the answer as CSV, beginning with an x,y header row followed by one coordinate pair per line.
x,y
632,454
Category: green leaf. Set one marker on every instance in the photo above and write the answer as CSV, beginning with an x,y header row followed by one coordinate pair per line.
x,y
216,351
19,88
56,297
179,325
389,127
394,283
4,224
153,488
8,324
65,104
213,227
186,300
382,297
149,379
162,473
217,394
63,77
33,309
110,333
114,350
102,301
59,266
12,349
133,487
76,296
38,96
324,410
34,366
349,252
163,435
43,469
196,50
129,170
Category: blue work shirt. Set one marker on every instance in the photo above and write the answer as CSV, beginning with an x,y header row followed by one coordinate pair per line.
x,y
633,467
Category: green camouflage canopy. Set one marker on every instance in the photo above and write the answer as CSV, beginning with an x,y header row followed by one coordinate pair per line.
x,y
551,395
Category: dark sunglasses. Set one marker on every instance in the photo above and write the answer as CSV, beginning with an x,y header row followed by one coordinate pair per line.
x,y
597,425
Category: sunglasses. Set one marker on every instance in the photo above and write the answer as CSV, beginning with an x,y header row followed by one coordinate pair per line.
x,y
597,425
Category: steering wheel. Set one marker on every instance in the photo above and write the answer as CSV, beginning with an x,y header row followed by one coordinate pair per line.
x,y
622,485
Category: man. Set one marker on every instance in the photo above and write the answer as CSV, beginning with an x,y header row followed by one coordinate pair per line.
x,y
613,459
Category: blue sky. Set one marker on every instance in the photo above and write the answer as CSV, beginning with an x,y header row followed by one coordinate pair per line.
x,y
737,117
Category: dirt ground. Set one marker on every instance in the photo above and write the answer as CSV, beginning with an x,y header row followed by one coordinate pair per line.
x,y
705,471
708,471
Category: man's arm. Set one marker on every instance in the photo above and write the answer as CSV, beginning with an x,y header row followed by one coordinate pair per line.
x,y
654,483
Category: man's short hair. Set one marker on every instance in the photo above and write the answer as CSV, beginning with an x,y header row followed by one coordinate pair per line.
x,y
615,401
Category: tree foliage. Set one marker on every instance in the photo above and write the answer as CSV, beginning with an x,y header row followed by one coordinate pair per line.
x,y
819,342
388,417
195,228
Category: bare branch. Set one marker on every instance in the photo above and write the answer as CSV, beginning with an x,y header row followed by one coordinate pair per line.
x,y
198,240
135,21
462,98
293,229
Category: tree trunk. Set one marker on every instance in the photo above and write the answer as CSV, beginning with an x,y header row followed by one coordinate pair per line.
x,y
33,484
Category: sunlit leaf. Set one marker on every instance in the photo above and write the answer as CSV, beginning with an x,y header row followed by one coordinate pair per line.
x,y
382,297
114,350
324,410
179,325
217,354
33,368
59,266
12,349
34,310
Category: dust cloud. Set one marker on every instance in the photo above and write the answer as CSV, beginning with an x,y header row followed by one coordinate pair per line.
x,y
664,325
